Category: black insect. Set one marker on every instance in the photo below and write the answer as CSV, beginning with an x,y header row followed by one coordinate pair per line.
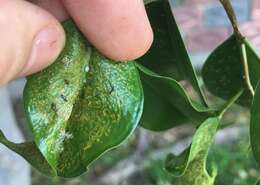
x,y
63,97
111,88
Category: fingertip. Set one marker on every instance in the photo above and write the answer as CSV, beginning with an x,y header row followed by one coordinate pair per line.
x,y
131,51
46,47
119,29
25,46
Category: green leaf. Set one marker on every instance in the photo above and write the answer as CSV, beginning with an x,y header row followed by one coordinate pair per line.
x,y
169,89
159,114
31,153
223,71
253,64
254,125
149,1
257,182
190,166
168,55
82,105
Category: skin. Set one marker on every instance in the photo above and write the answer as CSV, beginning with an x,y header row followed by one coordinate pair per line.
x,y
32,37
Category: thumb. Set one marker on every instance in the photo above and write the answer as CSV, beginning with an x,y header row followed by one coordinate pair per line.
x,y
30,37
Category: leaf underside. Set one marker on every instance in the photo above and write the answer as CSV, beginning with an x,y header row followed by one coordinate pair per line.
x,y
190,166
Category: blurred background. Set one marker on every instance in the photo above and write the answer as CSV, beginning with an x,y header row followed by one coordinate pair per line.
x,y
139,161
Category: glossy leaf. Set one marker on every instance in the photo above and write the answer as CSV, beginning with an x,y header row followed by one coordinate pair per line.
x,y
31,153
190,166
223,71
169,89
255,126
159,114
149,1
168,55
82,105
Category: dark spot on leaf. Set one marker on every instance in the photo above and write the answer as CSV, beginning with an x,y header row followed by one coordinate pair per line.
x,y
53,107
66,82
82,95
63,97
111,88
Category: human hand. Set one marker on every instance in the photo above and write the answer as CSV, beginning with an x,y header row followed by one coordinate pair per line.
x,y
32,37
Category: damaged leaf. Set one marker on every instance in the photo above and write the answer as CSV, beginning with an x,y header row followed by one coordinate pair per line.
x,y
82,105
190,166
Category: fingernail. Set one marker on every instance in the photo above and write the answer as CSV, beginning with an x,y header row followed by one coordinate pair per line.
x,y
46,47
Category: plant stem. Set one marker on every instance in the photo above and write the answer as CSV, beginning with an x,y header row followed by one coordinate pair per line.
x,y
241,41
246,70
232,17
229,103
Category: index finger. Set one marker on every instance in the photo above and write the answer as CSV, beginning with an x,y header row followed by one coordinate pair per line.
x,y
119,29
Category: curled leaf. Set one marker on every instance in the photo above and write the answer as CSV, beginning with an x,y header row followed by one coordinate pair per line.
x,y
170,89
190,166
82,105
168,55
159,114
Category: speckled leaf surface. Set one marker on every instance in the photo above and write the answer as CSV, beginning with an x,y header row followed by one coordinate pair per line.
x,y
190,166
223,71
82,105
49,96
31,153
255,126
169,89
168,55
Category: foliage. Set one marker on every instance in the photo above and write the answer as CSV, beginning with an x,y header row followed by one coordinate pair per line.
x,y
85,104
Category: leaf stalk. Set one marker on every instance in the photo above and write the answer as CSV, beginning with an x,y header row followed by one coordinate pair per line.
x,y
229,103
241,40
246,69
